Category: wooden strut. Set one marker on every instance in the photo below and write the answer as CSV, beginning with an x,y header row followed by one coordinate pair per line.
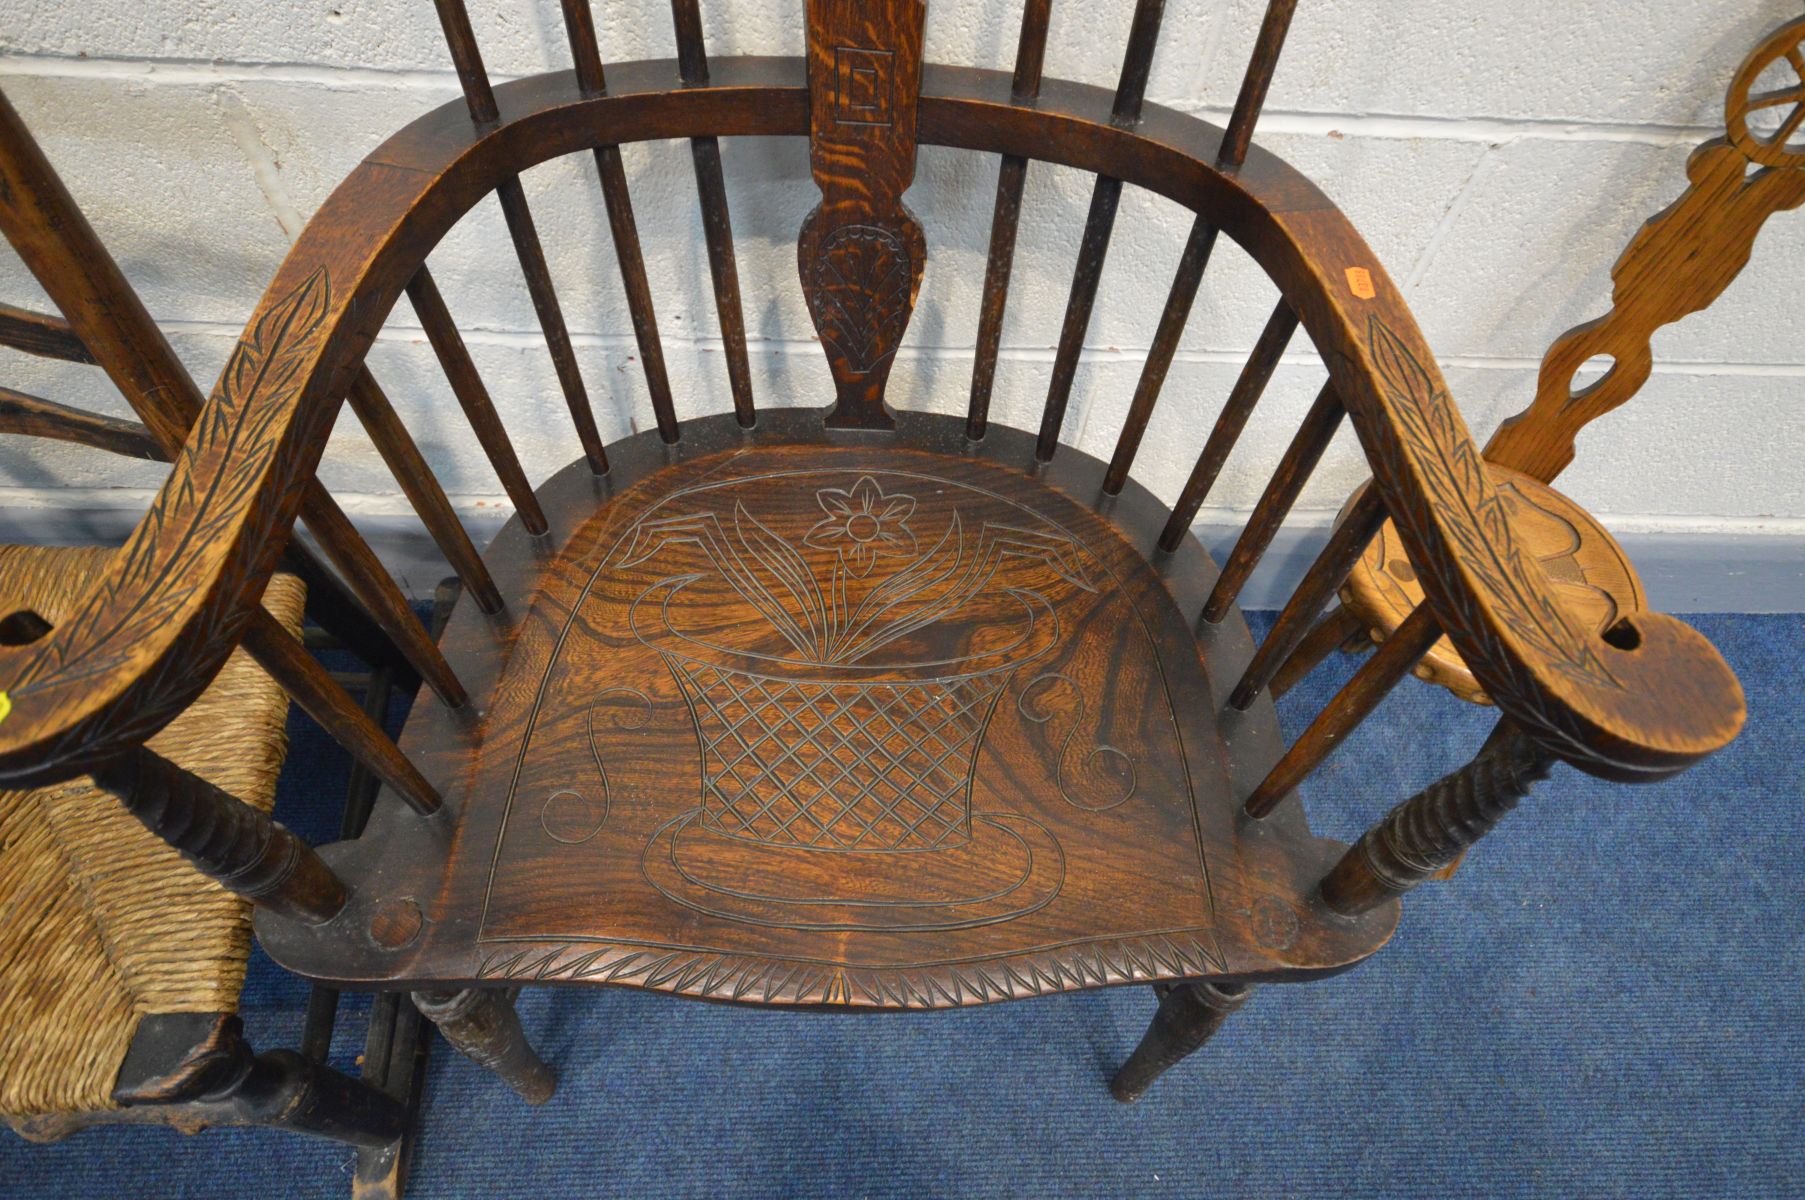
x,y
1189,1014
1432,829
717,223
1099,226
33,416
1256,372
1012,180
479,97
1252,98
223,1081
1351,705
579,25
1200,244
303,678
1338,628
408,466
1326,574
247,851
42,334
481,1024
1282,490
473,397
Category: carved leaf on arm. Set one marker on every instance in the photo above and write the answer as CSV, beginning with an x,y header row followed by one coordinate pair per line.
x,y
240,430
1481,535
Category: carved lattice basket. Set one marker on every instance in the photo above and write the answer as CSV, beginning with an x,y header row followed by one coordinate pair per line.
x,y
838,764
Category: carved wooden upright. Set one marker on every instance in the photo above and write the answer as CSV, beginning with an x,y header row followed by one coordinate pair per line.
x,y
862,251
1431,830
1680,262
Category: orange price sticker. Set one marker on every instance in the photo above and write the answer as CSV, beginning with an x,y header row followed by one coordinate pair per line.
x,y
1360,282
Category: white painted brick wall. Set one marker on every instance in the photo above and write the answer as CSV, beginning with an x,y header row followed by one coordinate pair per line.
x,y
1496,155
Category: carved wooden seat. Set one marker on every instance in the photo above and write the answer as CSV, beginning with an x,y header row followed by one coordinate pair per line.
x,y
866,707
807,722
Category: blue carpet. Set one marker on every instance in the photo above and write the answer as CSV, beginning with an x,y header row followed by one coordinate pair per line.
x,y
1606,1002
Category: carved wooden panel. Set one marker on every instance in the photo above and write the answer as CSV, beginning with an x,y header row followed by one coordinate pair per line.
x,y
1681,261
862,252
813,724
840,700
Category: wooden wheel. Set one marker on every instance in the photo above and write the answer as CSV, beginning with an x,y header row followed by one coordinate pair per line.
x,y
1782,53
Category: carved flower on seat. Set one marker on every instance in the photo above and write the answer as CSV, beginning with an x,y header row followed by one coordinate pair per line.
x,y
863,525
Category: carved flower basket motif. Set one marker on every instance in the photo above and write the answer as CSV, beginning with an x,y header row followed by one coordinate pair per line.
x,y
835,744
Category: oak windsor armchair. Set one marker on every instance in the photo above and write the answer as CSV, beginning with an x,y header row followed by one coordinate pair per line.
x,y
856,708
120,966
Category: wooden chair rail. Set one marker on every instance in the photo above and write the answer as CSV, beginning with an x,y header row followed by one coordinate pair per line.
x,y
1646,701
32,416
41,334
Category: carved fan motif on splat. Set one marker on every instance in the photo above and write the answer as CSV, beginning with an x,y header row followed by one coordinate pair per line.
x,y
860,285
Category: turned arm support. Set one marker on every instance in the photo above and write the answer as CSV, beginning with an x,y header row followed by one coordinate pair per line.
x,y
1433,828
245,850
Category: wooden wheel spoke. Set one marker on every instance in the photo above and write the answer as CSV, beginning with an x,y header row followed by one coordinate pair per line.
x,y
1789,127
1760,100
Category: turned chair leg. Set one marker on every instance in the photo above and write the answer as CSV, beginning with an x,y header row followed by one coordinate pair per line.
x,y
1428,833
481,1024
1189,1013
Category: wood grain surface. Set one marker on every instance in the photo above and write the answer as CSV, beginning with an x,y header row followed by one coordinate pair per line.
x,y
1584,563
795,720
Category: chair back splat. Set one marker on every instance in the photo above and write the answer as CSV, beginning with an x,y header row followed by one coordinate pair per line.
x,y
862,251
914,709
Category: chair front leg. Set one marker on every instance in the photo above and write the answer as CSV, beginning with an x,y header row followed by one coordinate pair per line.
x,y
481,1024
1189,1013
1428,833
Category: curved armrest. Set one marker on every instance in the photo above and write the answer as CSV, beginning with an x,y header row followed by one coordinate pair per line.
x,y
158,626
1645,698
